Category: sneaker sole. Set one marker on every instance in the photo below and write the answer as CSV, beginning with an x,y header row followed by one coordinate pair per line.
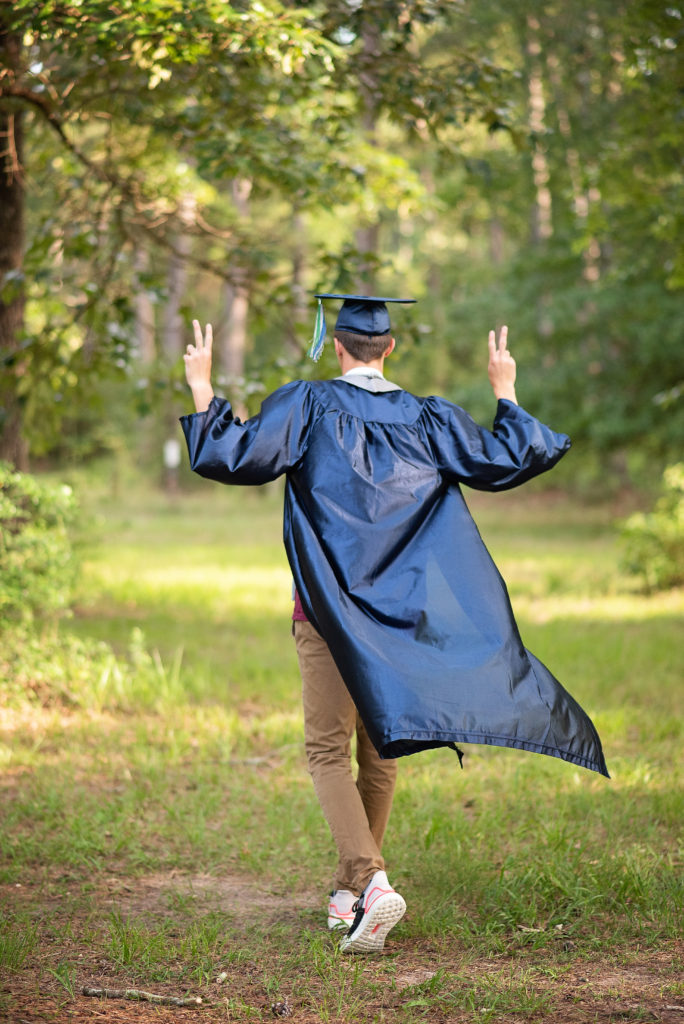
x,y
370,936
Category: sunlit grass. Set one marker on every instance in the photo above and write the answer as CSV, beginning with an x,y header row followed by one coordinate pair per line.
x,y
226,587
190,762
619,608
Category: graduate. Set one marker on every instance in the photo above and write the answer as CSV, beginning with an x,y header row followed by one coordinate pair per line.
x,y
403,626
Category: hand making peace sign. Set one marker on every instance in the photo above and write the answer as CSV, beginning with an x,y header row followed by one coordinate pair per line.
x,y
502,369
198,366
198,356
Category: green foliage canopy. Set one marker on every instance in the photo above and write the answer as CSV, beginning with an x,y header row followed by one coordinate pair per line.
x,y
516,162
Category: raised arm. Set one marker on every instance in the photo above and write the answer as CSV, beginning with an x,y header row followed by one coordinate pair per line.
x,y
222,447
517,448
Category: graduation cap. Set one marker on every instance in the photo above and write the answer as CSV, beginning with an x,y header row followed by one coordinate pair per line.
x,y
360,314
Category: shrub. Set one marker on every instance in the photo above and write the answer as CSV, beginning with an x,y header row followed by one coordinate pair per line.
x,y
654,541
61,671
37,567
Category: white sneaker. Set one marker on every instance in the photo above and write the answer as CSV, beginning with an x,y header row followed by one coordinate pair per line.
x,y
378,909
341,909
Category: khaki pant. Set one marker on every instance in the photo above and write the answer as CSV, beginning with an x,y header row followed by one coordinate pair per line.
x,y
356,811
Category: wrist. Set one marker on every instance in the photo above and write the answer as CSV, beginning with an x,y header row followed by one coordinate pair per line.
x,y
202,395
507,394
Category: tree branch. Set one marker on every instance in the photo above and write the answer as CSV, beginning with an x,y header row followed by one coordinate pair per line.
x,y
126,187
139,996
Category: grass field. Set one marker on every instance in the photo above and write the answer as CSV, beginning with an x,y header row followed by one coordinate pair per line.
x,y
160,832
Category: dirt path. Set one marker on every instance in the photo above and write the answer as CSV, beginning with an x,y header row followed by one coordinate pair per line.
x,y
400,986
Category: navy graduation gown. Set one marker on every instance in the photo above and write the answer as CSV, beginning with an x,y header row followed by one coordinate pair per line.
x,y
389,565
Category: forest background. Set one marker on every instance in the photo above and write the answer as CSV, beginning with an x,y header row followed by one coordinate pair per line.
x,y
510,163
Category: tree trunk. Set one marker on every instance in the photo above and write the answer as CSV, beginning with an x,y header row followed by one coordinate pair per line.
x,y
233,338
296,332
542,227
368,235
144,312
496,240
175,331
13,446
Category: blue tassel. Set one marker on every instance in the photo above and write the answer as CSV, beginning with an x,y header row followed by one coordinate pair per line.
x,y
316,346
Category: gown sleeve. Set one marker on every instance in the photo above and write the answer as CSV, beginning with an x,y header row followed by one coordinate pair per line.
x,y
517,448
222,447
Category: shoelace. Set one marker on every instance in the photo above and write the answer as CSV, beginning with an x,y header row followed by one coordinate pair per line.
x,y
358,912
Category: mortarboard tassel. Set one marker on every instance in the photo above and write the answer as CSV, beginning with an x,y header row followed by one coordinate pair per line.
x,y
316,346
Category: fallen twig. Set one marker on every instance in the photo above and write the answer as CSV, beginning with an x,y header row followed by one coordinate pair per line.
x,y
134,993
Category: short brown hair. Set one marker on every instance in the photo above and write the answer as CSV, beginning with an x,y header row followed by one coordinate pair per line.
x,y
364,347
